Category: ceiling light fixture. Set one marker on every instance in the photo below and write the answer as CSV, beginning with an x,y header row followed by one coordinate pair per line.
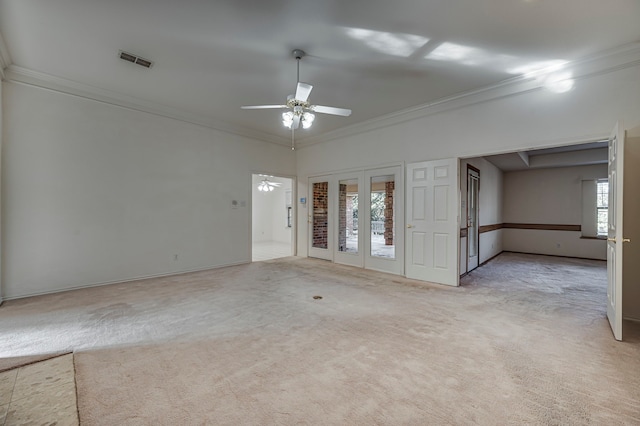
x,y
264,186
306,118
267,186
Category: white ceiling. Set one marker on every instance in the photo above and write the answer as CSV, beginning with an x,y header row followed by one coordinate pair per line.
x,y
564,156
373,56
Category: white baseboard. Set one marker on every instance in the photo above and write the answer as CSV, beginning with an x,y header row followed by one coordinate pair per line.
x,y
125,280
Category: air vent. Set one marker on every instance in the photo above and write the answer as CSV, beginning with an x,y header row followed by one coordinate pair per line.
x,y
129,57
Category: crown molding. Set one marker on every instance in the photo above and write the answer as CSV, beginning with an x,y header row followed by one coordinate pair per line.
x,y
5,58
611,60
604,62
34,78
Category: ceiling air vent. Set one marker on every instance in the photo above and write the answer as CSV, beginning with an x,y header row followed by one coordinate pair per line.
x,y
129,57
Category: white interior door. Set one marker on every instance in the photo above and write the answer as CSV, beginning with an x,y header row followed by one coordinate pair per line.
x,y
383,220
320,218
615,237
349,230
432,220
473,237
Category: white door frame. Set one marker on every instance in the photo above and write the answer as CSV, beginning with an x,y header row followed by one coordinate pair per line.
x,y
294,210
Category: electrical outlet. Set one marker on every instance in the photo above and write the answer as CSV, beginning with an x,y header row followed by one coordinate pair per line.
x,y
175,257
557,245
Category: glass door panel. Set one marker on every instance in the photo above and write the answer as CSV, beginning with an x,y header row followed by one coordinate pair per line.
x,y
348,246
348,215
382,216
320,215
320,237
385,220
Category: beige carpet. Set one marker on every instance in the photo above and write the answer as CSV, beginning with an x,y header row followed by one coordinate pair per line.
x,y
525,340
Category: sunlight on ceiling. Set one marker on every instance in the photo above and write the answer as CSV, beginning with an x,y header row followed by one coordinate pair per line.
x,y
470,56
549,73
396,44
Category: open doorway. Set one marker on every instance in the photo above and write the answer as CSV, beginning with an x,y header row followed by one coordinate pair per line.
x,y
272,217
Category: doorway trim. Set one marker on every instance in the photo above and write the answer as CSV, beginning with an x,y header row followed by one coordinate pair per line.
x,y
294,209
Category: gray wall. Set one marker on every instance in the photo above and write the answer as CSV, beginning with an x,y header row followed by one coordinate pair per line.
x,y
631,253
549,196
94,193
490,209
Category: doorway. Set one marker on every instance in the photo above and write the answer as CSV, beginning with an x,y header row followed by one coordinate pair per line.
x,y
272,217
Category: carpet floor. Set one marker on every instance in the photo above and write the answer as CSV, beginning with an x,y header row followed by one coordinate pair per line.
x,y
525,339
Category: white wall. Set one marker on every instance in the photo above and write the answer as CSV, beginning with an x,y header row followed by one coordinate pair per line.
x,y
631,227
94,193
531,118
1,139
269,218
490,209
549,196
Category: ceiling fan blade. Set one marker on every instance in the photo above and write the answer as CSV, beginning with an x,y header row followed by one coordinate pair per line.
x,y
263,106
330,110
302,91
296,122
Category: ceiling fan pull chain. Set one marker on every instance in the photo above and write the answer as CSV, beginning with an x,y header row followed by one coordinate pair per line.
x,y
293,147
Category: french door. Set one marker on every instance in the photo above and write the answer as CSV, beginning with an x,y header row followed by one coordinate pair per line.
x,y
357,219
349,230
320,218
384,220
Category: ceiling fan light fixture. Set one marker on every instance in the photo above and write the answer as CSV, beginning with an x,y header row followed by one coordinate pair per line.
x,y
307,120
267,186
287,119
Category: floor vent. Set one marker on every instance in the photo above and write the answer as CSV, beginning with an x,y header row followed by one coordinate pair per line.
x,y
129,57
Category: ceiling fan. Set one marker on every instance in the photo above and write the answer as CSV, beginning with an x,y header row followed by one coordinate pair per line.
x,y
266,185
301,111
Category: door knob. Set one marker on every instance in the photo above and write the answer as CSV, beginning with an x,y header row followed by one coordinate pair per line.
x,y
624,240
409,226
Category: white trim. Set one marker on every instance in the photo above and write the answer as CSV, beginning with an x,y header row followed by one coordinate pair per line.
x,y
18,74
5,58
607,61
127,280
611,60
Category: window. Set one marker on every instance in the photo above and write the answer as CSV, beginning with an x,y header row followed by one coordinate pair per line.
x,y
602,206
289,214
